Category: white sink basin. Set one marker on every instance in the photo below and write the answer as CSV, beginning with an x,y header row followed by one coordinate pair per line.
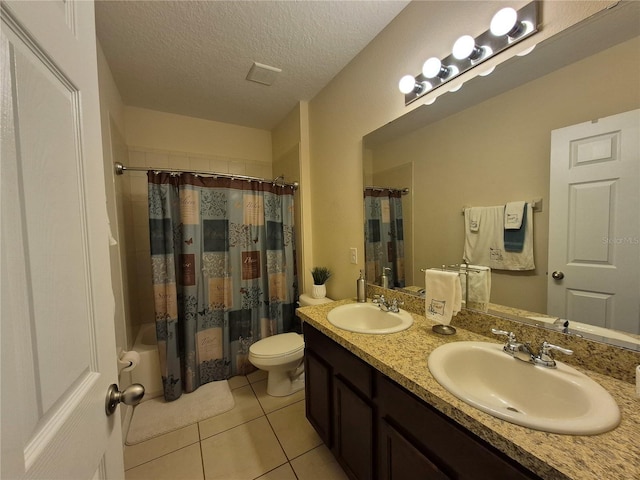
x,y
555,400
368,318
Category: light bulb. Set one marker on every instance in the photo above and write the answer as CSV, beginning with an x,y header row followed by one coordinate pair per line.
x,y
504,22
465,47
407,84
432,67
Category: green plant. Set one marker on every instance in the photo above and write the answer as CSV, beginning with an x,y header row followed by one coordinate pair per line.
x,y
320,275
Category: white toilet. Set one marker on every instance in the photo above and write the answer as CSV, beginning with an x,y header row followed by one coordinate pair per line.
x,y
282,357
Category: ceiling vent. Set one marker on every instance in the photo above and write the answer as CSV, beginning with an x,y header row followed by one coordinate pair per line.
x,y
263,74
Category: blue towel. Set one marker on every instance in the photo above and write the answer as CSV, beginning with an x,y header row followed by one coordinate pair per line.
x,y
514,239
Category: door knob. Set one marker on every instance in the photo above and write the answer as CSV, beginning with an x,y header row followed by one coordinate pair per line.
x,y
129,396
557,275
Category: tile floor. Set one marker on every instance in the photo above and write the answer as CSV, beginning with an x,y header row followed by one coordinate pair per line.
x,y
262,437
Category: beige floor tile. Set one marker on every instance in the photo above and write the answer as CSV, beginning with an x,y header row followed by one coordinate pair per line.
x,y
238,381
143,452
185,464
269,403
246,408
285,472
244,452
295,433
257,376
318,464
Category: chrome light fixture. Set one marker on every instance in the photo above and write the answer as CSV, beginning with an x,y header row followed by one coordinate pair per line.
x,y
506,22
465,47
433,68
409,85
507,28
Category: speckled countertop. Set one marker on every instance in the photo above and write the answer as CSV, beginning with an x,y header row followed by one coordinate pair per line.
x,y
403,357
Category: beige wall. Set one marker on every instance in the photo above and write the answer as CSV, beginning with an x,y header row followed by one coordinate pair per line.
x,y
112,120
503,155
364,96
286,140
178,133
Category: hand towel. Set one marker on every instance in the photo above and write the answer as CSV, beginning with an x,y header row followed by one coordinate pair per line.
x,y
478,277
473,216
443,297
486,247
514,238
513,215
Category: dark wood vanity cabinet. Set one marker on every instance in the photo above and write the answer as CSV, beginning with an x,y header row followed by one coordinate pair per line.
x,y
338,392
377,429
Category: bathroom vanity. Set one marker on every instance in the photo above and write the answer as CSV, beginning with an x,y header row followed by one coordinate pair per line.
x,y
379,410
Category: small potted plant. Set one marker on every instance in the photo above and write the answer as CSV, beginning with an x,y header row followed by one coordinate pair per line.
x,y
320,276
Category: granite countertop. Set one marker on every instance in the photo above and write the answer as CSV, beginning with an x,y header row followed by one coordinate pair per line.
x,y
403,357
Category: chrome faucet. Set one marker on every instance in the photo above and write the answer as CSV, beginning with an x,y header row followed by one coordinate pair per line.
x,y
524,352
387,305
521,351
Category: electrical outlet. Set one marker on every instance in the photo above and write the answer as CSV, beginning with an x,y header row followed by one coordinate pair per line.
x,y
353,255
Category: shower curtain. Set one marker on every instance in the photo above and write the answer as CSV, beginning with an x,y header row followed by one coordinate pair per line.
x,y
224,273
384,241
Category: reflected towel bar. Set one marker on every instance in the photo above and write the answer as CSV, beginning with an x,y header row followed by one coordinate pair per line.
x,y
536,205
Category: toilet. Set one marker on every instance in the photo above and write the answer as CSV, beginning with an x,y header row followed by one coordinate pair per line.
x,y
282,357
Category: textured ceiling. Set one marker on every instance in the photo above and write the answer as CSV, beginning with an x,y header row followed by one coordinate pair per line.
x,y
192,57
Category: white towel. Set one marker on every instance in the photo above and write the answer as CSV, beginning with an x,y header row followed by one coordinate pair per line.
x,y
443,297
479,293
486,246
474,218
513,215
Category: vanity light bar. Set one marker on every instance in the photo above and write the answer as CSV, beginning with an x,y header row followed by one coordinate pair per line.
x,y
508,28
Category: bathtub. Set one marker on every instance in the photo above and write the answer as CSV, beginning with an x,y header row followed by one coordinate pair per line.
x,y
147,372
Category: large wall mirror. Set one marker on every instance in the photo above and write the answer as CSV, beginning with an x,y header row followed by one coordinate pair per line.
x,y
489,143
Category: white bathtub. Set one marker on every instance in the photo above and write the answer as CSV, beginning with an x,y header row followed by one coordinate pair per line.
x,y
147,372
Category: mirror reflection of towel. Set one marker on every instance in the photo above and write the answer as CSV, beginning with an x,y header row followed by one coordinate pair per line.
x,y
486,246
479,279
443,297
514,237
513,215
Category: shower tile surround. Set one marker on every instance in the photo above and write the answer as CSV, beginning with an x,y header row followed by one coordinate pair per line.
x,y
403,358
133,217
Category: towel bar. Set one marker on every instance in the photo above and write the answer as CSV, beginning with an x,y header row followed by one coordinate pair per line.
x,y
536,205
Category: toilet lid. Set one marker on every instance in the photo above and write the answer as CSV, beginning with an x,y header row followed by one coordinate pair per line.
x,y
276,345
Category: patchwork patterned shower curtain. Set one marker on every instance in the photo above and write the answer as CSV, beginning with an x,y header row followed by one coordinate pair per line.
x,y
384,240
224,273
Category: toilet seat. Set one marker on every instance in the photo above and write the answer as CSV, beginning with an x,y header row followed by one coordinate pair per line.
x,y
280,345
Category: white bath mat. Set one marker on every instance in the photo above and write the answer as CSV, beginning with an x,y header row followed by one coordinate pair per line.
x,y
156,416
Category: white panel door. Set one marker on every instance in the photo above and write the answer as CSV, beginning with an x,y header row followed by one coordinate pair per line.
x,y
594,225
58,344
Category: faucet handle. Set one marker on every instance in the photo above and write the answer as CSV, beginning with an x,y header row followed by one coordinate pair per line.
x,y
511,337
378,299
547,347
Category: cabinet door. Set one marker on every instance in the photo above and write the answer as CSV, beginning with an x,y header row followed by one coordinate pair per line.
x,y
318,395
399,459
353,432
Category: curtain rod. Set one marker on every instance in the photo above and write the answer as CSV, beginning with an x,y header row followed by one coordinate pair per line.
x,y
120,169
404,190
